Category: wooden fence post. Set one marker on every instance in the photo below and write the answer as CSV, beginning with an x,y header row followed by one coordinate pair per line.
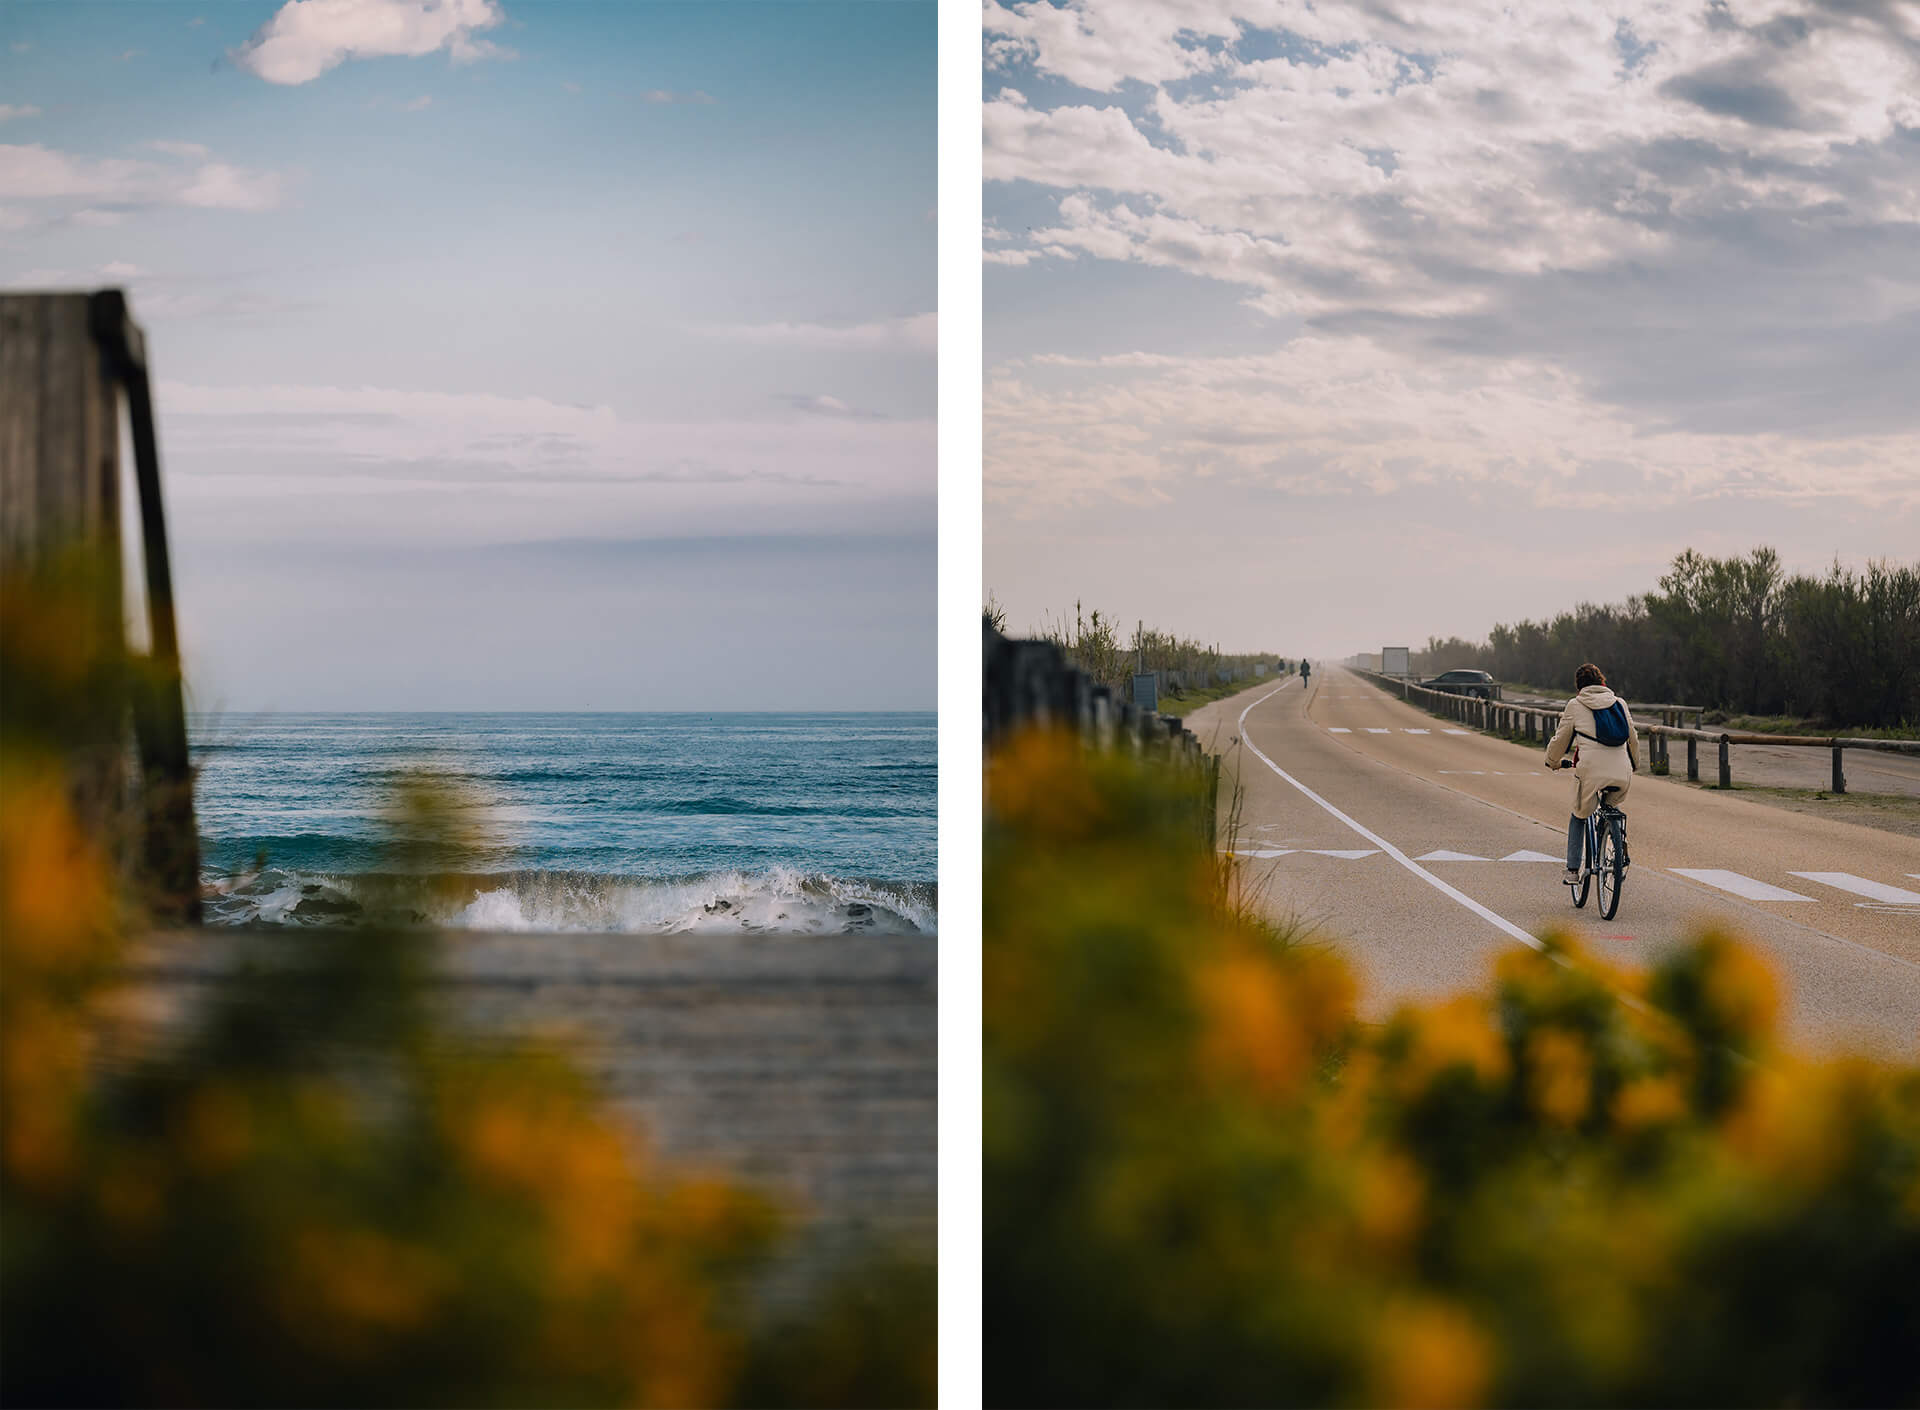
x,y
1726,763
1693,760
66,361
1839,776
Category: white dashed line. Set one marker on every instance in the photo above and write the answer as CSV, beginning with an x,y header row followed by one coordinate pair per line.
x,y
1498,921
1372,730
1338,729
1456,731
1860,886
1419,731
1739,885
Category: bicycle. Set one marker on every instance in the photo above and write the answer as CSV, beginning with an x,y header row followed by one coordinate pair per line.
x,y
1604,856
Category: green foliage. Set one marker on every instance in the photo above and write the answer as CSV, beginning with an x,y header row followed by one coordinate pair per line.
x,y
1733,634
1094,645
1207,1184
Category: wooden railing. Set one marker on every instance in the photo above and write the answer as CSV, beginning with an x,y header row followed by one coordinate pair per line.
x,y
1535,722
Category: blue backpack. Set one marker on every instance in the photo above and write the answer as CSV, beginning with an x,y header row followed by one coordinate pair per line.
x,y
1610,725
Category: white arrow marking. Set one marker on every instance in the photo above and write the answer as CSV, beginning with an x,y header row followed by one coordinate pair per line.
x,y
1449,857
1525,855
1494,919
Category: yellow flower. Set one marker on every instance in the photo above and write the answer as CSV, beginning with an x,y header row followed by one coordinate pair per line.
x,y
1560,1075
1740,987
351,1288
1388,1197
1648,1102
1457,1033
1431,1357
1251,1033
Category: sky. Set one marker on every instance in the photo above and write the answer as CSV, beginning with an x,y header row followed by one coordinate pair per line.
x,y
512,354
1317,327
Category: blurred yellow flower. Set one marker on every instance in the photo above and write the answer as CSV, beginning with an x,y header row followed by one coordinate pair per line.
x,y
1559,1075
1431,1357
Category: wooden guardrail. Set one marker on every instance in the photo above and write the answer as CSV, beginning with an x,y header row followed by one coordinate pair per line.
x,y
1535,722
1031,683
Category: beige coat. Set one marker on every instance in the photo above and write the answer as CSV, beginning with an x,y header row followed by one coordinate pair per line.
x,y
1599,767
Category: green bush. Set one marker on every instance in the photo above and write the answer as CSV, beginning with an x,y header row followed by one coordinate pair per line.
x,y
1207,1184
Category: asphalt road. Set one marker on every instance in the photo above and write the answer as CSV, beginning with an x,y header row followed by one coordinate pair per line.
x,y
1423,850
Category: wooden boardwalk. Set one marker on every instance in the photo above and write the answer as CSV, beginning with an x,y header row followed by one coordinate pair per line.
x,y
804,1063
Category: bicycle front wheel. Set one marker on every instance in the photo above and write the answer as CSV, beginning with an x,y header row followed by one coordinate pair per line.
x,y
1609,868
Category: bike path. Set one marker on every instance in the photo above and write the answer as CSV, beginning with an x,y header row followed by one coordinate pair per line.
x,y
1423,855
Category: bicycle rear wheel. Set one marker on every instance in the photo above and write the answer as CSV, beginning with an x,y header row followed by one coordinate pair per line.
x,y
1610,869
1585,883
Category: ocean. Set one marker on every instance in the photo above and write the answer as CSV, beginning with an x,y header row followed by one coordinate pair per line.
x,y
817,823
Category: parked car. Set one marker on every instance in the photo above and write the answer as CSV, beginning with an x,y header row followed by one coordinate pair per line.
x,y
1478,684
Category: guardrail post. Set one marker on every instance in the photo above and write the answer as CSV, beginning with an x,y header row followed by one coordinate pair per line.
x,y
1839,776
1726,763
1693,760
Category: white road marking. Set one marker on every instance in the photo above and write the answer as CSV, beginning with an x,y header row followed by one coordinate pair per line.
x,y
1338,729
1456,731
1528,855
1449,857
1860,886
1739,885
1500,922
1419,731
1344,856
1372,730
1462,772
1263,852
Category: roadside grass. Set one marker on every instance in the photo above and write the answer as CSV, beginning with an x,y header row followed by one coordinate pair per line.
x,y
1793,724
1191,698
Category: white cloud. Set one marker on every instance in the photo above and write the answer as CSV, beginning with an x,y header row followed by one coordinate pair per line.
x,y
917,333
88,189
550,467
1400,157
1556,250
306,38
1329,415
10,111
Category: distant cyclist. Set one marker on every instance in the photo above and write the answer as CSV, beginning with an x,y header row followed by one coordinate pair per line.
x,y
1600,717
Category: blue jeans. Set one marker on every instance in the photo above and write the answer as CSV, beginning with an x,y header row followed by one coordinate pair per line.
x,y
1576,842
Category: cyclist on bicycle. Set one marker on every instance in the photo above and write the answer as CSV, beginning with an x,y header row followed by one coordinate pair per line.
x,y
1597,715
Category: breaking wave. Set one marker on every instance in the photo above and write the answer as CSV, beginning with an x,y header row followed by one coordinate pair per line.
x,y
777,901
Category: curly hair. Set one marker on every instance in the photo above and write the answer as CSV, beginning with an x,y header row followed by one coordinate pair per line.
x,y
1588,674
